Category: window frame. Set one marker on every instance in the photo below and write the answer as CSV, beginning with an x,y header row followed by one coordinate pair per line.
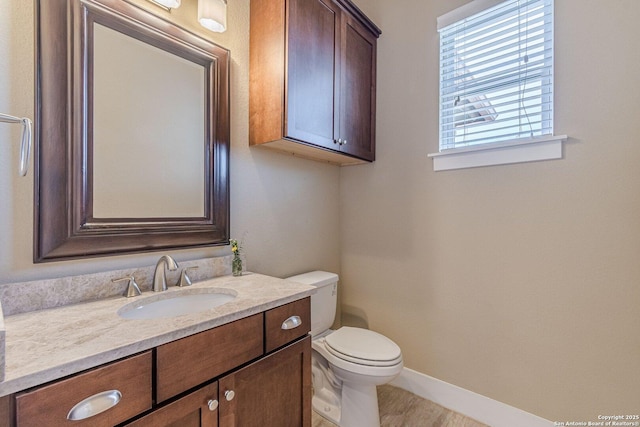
x,y
509,150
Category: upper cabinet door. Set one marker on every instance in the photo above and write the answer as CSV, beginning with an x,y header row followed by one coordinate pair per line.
x,y
312,85
357,90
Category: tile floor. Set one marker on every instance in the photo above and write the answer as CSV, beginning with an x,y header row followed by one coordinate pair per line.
x,y
399,408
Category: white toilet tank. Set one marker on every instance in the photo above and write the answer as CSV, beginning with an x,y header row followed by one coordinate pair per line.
x,y
324,302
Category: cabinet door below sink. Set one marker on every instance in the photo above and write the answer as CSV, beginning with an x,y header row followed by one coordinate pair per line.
x,y
274,391
198,409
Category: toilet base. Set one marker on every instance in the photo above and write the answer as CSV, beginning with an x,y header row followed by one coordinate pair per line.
x,y
359,406
326,409
326,389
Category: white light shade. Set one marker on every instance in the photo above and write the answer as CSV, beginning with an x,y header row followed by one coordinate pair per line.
x,y
212,14
171,4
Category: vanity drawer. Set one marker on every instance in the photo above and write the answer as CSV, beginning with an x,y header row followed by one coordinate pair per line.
x,y
190,361
50,405
287,323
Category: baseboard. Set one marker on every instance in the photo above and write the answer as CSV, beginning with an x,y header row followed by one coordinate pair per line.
x,y
468,403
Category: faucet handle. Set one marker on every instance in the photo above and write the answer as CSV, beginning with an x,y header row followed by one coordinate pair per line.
x,y
184,279
132,287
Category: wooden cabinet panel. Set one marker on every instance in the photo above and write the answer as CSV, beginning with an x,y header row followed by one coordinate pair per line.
x,y
314,31
275,391
266,78
358,90
50,404
190,411
312,79
7,411
186,363
275,335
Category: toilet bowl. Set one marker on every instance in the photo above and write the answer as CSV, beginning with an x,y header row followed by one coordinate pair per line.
x,y
360,360
347,363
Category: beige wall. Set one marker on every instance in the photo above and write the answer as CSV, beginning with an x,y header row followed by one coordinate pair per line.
x,y
285,208
519,282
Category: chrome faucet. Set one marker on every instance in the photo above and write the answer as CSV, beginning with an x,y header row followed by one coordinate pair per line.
x,y
159,276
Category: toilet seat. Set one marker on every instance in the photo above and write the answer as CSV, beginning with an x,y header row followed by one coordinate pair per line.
x,y
363,346
361,366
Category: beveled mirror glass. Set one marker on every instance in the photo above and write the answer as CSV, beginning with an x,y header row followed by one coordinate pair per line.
x,y
132,126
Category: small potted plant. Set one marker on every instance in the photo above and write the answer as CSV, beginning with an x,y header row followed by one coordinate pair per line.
x,y
236,264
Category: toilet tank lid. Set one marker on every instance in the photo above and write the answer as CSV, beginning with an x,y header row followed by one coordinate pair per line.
x,y
315,278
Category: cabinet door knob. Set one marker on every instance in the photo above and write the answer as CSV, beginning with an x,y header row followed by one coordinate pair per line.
x,y
344,142
229,395
212,404
336,141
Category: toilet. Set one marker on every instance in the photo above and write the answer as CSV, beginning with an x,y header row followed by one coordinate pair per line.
x,y
347,363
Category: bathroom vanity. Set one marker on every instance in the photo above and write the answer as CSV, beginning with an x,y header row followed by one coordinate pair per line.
x,y
246,362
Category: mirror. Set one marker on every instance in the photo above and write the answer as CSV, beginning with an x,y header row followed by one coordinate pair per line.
x,y
165,107
132,130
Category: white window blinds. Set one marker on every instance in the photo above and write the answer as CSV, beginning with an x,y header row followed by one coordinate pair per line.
x,y
496,73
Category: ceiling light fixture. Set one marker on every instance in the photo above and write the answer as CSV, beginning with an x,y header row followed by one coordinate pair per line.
x,y
167,4
212,14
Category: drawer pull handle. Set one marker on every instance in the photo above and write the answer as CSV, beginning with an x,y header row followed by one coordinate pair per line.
x,y
229,395
292,322
212,405
94,405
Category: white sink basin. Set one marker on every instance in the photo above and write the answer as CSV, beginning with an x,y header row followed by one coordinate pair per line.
x,y
171,304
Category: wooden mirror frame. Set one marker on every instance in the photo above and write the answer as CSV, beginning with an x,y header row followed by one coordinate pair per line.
x,y
64,226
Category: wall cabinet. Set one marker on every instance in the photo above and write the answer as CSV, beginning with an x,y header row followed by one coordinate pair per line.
x,y
227,376
313,79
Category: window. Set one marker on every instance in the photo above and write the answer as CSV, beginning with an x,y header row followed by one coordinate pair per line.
x,y
496,80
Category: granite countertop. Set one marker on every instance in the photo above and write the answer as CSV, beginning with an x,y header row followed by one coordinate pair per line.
x,y
45,345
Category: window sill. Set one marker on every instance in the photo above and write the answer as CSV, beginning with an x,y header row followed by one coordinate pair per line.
x,y
501,153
